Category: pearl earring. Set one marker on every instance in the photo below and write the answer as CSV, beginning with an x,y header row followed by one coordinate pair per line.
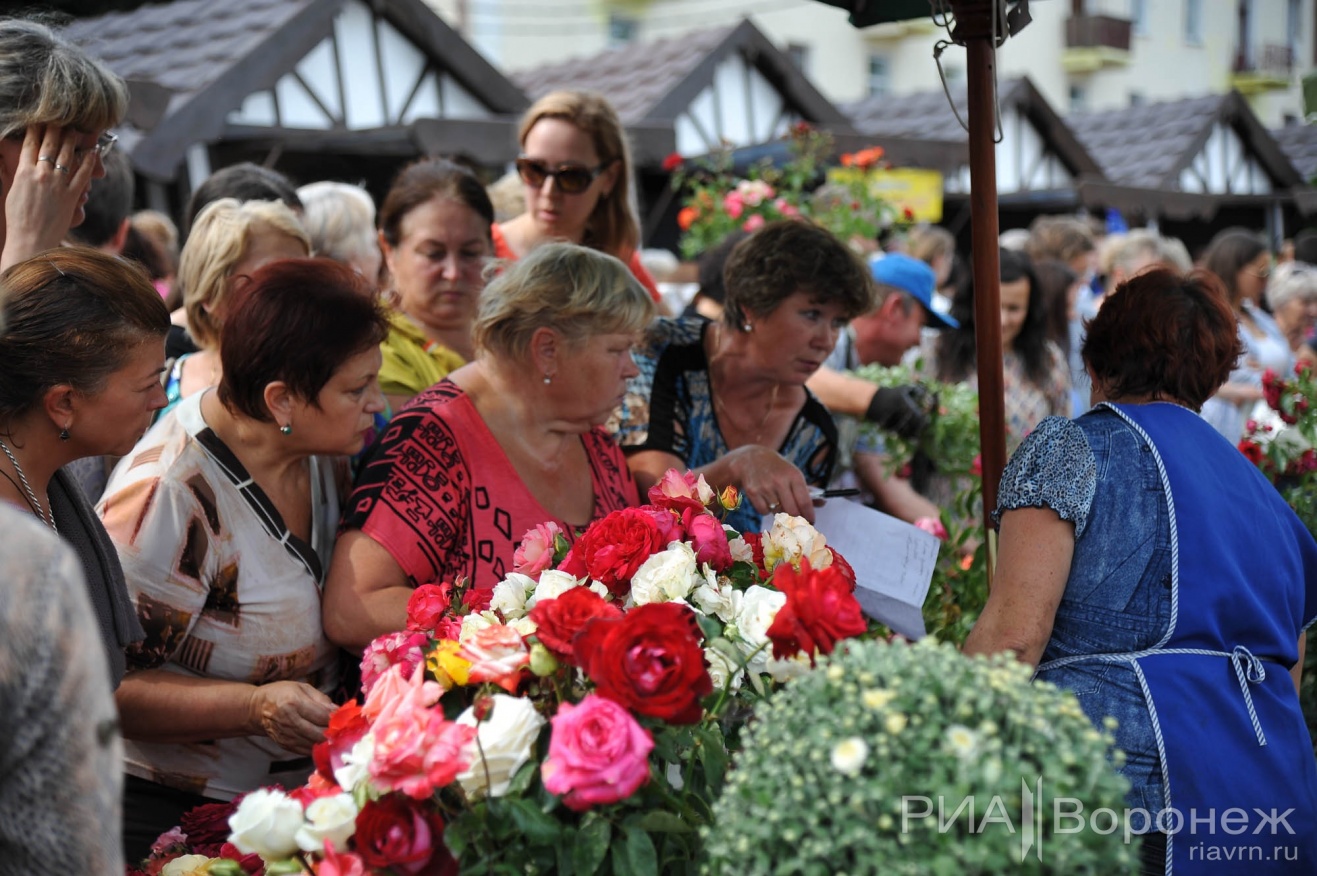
x,y
748,327
286,429
547,380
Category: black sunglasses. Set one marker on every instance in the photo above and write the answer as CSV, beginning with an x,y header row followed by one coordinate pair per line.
x,y
572,179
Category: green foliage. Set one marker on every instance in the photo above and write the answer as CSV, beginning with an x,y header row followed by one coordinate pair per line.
x,y
819,785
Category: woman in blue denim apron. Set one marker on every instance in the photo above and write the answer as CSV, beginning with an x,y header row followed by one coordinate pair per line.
x,y
1146,565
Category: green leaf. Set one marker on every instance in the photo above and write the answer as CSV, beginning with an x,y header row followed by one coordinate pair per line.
x,y
534,824
713,756
661,821
709,625
641,858
521,781
591,845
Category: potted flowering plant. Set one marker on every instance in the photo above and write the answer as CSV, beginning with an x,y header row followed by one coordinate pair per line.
x,y
919,760
716,201
577,718
1281,444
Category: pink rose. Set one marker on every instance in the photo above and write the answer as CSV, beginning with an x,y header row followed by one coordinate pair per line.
x,y
535,553
497,653
416,751
753,224
733,204
933,527
428,603
708,539
598,754
405,649
786,209
669,523
340,863
680,491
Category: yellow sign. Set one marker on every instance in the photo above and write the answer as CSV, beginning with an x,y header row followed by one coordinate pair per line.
x,y
907,188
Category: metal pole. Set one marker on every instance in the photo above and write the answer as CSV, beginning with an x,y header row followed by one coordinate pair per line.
x,y
974,27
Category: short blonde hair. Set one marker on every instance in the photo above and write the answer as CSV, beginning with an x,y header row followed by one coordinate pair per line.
x,y
47,80
576,291
1290,280
340,220
216,244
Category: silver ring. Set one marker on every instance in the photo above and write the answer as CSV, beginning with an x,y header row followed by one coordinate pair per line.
x,y
61,168
775,506
49,158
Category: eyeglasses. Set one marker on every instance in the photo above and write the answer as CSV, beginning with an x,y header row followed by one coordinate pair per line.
x,y
572,179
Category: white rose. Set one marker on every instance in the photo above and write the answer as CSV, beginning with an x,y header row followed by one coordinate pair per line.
x,y
703,491
329,819
356,764
721,668
524,626
666,576
266,823
600,589
509,596
791,539
741,550
718,598
553,583
475,622
785,670
507,740
184,864
759,606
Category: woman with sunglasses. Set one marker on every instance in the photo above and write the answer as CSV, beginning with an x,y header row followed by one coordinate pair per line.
x,y
576,167
55,106
435,236
1241,261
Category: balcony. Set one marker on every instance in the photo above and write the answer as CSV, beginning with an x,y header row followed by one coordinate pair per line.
x,y
1269,67
1096,41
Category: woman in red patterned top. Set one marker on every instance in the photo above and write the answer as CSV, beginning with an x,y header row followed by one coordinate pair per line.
x,y
508,442
576,167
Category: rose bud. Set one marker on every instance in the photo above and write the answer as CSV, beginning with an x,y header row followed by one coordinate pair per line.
x,y
542,661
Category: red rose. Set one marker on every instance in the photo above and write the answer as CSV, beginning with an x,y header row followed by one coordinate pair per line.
x,y
649,660
346,727
427,604
708,539
251,863
613,548
1252,450
404,835
207,826
839,563
672,162
820,610
755,541
559,620
477,600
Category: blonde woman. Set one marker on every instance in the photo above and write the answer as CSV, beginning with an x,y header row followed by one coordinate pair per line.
x,y
229,241
340,220
576,168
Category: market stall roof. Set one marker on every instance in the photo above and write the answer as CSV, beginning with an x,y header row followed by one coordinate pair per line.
x,y
1187,158
1299,143
337,74
694,92
1038,159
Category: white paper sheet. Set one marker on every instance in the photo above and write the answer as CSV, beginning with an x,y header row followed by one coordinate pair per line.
x,y
893,561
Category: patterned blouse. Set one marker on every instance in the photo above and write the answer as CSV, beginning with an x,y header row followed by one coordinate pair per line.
x,y
440,495
222,588
669,407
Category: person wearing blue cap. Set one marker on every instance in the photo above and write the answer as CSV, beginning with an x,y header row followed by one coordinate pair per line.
x,y
905,287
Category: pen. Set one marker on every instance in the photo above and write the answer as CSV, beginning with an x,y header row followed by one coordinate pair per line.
x,y
818,493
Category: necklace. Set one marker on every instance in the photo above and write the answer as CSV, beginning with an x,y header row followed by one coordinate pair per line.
x,y
27,488
717,396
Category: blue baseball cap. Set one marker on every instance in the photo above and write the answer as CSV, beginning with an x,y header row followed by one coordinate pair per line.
x,y
913,277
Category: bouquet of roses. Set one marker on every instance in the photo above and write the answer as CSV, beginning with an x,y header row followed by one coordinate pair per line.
x,y
1282,442
577,718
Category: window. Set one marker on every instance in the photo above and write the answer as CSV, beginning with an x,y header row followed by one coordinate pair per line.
x,y
622,29
879,76
1078,99
1139,17
798,55
1293,22
1193,22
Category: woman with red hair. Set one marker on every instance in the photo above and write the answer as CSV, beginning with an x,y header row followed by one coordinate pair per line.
x,y
1130,572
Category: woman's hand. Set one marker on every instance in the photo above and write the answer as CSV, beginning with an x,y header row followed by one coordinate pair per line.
x,y
291,713
770,482
44,191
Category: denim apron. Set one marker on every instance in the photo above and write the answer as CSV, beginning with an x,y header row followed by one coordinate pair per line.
x,y
1238,776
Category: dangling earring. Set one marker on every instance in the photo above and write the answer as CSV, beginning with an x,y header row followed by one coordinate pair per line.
x,y
64,434
286,429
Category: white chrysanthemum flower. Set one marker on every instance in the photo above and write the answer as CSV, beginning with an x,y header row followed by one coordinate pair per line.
x,y
849,755
896,722
877,698
962,741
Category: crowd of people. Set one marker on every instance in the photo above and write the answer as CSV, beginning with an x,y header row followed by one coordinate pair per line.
x,y
239,448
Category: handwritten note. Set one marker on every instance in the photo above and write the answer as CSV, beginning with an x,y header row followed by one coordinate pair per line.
x,y
893,561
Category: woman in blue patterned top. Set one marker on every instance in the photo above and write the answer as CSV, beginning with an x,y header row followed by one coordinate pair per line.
x,y
728,399
1146,565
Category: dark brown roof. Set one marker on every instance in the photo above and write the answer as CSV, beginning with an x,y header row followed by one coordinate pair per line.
x,y
927,115
1299,143
190,63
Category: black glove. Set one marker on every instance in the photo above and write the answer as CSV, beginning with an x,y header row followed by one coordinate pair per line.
x,y
902,410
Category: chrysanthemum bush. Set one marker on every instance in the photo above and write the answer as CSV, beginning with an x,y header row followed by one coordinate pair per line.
x,y
578,718
1284,446
949,447
842,771
716,201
